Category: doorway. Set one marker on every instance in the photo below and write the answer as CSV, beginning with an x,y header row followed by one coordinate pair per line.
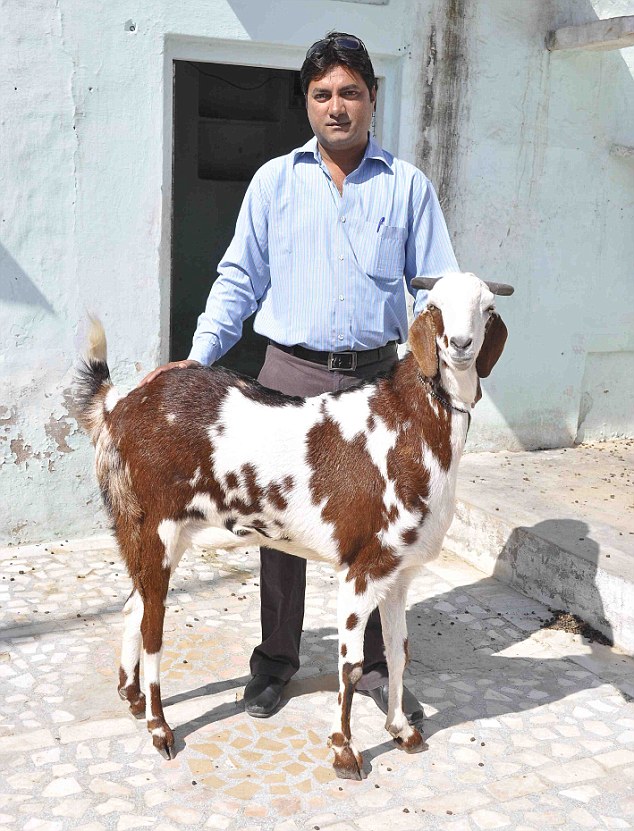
x,y
228,121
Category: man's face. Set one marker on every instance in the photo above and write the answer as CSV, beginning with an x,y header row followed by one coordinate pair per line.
x,y
340,109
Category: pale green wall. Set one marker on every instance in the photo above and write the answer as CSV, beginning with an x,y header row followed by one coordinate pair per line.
x,y
519,140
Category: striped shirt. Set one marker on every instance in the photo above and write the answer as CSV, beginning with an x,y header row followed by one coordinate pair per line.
x,y
321,269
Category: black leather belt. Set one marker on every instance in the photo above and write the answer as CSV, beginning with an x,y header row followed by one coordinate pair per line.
x,y
346,361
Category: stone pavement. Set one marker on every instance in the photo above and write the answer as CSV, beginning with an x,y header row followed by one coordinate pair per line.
x,y
527,727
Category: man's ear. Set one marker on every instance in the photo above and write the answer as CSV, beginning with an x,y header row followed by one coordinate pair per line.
x,y
422,342
494,340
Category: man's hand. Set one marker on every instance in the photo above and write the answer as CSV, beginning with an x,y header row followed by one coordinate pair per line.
x,y
172,365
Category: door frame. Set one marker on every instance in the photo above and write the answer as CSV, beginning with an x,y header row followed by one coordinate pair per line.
x,y
388,69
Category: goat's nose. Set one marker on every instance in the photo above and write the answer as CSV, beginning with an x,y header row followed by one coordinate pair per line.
x,y
461,343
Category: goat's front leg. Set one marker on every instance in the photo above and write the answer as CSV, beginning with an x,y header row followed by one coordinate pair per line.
x,y
394,625
352,616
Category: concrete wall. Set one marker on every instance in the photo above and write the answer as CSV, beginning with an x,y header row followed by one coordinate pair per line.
x,y
517,140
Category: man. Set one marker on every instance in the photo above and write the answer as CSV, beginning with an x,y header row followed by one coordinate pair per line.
x,y
323,239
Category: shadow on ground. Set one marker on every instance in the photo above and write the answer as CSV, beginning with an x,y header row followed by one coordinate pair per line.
x,y
470,657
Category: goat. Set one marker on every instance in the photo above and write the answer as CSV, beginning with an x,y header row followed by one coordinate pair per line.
x,y
364,480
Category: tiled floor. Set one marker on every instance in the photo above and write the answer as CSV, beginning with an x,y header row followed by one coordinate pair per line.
x,y
527,728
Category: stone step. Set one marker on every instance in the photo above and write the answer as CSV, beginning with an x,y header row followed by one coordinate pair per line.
x,y
558,525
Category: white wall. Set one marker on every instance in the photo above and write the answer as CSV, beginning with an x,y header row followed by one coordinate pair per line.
x,y
518,138
535,198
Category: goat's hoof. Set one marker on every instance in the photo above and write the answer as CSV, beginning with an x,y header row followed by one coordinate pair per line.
x,y
415,743
134,700
164,743
137,708
348,764
166,752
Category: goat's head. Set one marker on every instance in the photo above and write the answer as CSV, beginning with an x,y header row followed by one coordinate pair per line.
x,y
460,326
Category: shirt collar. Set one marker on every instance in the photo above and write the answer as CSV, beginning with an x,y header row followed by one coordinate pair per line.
x,y
372,151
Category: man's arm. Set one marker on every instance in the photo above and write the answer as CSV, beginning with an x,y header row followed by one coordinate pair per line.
x,y
428,251
243,278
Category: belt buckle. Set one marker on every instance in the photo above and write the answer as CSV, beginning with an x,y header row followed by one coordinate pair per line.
x,y
342,361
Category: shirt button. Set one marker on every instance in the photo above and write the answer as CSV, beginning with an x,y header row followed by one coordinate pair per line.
x,y
341,256
341,297
343,219
340,337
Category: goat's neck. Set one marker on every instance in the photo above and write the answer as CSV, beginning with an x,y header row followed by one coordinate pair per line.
x,y
461,387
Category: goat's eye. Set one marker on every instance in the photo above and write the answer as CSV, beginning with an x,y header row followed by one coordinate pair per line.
x,y
491,309
431,307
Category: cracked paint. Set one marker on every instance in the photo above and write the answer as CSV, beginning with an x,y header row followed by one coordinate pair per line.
x,y
60,429
57,432
22,451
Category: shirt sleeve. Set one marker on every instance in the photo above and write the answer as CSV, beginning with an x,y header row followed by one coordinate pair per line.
x,y
428,251
243,278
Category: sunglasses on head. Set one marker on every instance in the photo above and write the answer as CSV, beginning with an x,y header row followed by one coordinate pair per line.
x,y
343,42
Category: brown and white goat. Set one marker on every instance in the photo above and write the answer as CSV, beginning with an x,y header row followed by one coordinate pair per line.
x,y
364,480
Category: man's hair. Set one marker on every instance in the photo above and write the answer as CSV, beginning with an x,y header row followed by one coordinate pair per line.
x,y
332,51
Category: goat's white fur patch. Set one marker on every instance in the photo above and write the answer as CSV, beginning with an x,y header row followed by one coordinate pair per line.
x,y
350,411
283,454
113,396
131,645
169,533
113,474
380,441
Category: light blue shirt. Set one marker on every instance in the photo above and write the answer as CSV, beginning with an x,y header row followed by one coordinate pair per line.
x,y
324,270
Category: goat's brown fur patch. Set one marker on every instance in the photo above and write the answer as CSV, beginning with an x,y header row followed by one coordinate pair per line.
x,y
350,675
352,622
392,403
409,536
494,339
372,562
328,454
422,342
275,496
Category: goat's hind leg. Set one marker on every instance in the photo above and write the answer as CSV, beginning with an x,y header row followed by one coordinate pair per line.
x,y
394,626
154,594
129,681
162,549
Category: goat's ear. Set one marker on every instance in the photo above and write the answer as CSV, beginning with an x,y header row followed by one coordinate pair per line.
x,y
494,340
422,342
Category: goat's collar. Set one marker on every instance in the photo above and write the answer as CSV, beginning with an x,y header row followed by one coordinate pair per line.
x,y
434,391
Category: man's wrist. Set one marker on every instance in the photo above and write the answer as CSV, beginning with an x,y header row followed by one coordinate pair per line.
x,y
205,353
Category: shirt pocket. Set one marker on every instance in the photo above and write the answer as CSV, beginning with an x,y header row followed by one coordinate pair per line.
x,y
381,253
390,255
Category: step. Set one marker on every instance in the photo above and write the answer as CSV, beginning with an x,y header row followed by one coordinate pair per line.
x,y
558,525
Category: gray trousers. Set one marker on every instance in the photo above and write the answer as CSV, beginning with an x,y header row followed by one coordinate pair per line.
x,y
282,576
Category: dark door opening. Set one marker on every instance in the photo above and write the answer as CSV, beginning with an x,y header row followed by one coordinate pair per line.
x,y
228,121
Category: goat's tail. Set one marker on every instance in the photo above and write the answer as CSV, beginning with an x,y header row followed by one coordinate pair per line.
x,y
93,381
92,388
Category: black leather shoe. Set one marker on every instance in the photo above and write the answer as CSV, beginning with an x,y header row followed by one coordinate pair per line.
x,y
411,705
262,695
